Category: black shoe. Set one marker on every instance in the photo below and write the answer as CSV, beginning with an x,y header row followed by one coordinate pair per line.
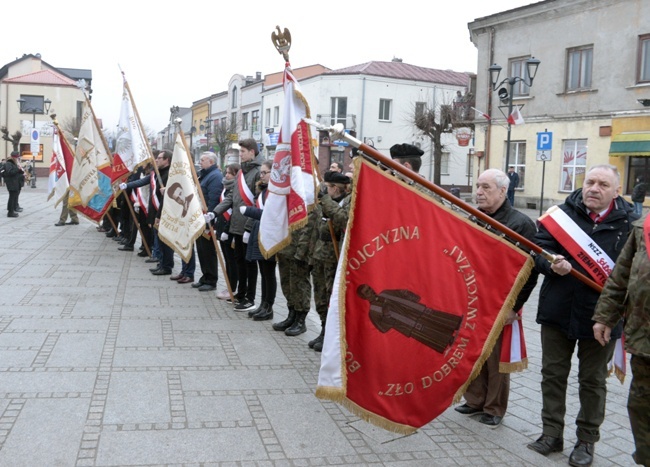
x,y
72,223
59,224
142,254
298,326
161,272
286,324
152,260
19,209
154,269
12,214
467,410
245,305
547,444
196,285
118,238
206,287
265,314
491,421
582,454
320,337
125,248
257,310
318,345
111,233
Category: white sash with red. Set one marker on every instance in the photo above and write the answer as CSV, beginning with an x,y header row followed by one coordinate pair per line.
x,y
513,347
245,192
154,195
228,213
592,258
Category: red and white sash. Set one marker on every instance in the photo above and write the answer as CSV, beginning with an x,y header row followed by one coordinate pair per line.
x,y
580,246
154,196
228,213
259,202
513,347
245,192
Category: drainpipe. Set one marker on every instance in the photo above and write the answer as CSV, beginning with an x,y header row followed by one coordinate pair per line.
x,y
488,134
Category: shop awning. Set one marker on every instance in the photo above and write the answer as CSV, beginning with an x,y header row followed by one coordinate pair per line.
x,y
631,144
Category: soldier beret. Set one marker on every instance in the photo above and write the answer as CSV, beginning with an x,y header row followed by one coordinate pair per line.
x,y
405,150
336,177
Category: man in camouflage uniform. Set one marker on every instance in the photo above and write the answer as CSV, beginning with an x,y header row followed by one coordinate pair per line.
x,y
324,259
625,296
294,271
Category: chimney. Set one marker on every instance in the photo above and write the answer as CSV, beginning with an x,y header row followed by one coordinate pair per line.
x,y
258,75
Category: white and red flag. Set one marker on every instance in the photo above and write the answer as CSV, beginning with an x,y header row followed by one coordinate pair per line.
x,y
62,157
482,114
131,148
292,186
404,339
515,117
181,219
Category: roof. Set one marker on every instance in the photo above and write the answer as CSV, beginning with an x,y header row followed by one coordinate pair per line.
x,y
47,77
401,70
77,73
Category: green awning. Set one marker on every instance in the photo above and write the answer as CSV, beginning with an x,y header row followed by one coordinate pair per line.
x,y
631,144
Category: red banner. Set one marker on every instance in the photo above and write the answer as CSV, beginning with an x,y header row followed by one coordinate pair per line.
x,y
424,296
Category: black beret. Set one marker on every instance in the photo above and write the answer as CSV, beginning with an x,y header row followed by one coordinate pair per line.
x,y
15,154
405,150
336,177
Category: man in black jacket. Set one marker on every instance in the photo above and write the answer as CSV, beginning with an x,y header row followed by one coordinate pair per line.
x,y
566,307
14,178
488,393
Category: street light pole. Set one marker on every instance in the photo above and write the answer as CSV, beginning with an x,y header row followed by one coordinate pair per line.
x,y
508,94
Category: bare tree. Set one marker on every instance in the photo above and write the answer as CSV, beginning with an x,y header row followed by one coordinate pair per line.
x,y
13,139
433,122
223,135
71,127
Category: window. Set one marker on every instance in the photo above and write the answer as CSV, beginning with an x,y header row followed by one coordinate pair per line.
x,y
574,164
384,110
234,98
276,115
267,117
518,161
518,69
224,122
32,104
644,59
255,120
244,121
444,163
420,107
339,110
638,167
579,64
233,122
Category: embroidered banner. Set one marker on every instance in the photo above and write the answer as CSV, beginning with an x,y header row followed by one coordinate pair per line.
x,y
420,298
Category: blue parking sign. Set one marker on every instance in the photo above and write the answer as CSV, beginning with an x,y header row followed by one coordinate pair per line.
x,y
544,141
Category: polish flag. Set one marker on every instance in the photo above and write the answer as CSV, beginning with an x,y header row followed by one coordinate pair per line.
x,y
482,114
515,117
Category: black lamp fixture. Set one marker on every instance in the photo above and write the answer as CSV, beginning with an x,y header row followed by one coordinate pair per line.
x,y
644,102
506,94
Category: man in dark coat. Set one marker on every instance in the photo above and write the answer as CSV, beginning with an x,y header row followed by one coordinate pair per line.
x,y
14,178
514,183
488,394
211,184
565,311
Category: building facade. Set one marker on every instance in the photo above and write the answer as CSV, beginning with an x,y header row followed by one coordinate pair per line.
x,y
591,93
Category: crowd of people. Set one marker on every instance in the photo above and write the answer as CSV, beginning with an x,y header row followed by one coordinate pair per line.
x,y
571,314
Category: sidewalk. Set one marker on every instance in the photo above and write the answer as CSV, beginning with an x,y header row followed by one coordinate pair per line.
x,y
103,364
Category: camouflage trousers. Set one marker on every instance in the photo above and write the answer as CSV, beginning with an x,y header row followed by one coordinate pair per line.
x,y
638,408
323,277
295,283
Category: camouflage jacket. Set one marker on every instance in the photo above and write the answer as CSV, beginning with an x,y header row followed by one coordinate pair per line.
x,y
626,294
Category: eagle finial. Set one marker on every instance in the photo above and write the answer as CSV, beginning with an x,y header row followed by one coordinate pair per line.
x,y
282,41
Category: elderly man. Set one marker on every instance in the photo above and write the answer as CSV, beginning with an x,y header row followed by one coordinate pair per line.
x,y
211,181
488,393
594,220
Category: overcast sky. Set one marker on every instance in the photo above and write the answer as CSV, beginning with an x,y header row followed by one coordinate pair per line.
x,y
175,53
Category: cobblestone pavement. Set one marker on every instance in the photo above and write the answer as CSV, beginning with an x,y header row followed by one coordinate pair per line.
x,y
103,364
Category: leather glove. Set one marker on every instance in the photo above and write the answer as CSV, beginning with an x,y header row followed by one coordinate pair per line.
x,y
209,217
122,186
246,237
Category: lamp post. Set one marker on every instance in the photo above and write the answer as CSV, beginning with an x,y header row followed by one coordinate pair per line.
x,y
34,110
506,95
208,128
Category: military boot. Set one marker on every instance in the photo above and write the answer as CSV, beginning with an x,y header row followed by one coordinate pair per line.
x,y
257,310
320,336
298,326
265,314
286,324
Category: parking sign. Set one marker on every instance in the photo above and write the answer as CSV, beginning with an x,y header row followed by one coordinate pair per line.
x,y
544,145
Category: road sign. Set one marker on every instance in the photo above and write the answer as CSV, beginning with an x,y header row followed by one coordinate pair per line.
x,y
544,145
35,142
544,141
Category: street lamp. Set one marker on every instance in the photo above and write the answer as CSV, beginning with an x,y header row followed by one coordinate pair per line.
x,y
506,95
34,110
